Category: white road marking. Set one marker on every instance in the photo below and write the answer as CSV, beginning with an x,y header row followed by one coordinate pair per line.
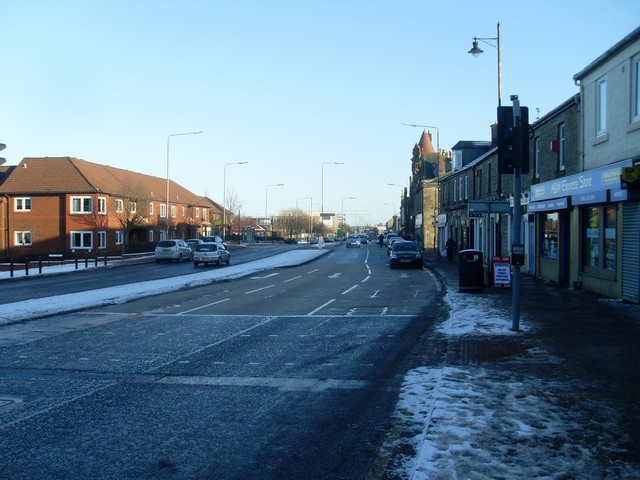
x,y
348,290
366,278
335,275
292,279
258,289
313,271
321,307
375,294
265,276
204,306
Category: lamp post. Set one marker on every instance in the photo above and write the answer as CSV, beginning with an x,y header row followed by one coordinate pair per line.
x,y
266,201
224,198
167,199
322,192
345,198
476,50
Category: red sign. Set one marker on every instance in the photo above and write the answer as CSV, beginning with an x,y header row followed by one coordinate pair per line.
x,y
501,268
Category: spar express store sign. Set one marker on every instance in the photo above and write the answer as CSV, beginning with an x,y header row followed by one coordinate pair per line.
x,y
587,187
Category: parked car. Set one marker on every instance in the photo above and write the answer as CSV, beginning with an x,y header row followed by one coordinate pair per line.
x,y
405,253
353,242
213,239
193,243
290,241
211,252
171,250
313,240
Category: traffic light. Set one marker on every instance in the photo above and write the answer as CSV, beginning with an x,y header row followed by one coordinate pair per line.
x,y
513,141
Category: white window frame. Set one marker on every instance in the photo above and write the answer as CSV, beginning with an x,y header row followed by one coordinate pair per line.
x,y
601,107
81,205
119,205
536,157
174,211
102,239
204,213
150,208
22,238
81,239
22,204
561,146
133,207
119,237
635,89
163,210
150,238
102,205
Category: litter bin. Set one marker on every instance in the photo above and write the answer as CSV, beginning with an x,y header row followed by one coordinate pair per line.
x,y
471,271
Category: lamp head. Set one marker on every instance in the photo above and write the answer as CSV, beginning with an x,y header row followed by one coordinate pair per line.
x,y
475,50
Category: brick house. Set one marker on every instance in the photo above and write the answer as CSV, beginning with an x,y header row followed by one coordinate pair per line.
x,y
69,206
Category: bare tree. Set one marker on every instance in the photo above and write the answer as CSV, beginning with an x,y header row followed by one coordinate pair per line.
x,y
234,206
131,210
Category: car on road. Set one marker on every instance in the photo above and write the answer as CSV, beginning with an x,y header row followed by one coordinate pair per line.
x,y
211,252
353,242
213,239
173,250
290,241
193,243
314,240
405,254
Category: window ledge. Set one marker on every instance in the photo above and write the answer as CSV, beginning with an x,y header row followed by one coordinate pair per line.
x,y
601,139
634,126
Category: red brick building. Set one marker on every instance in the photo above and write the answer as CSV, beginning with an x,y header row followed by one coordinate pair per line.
x,y
69,206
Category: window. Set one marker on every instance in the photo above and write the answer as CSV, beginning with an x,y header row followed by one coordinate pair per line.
x,y
184,211
204,213
133,207
150,208
635,89
601,107
466,187
22,238
119,237
163,210
81,205
150,239
102,205
550,236
197,212
102,239
22,204
599,237
561,149
174,211
83,240
536,157
479,175
119,205
489,179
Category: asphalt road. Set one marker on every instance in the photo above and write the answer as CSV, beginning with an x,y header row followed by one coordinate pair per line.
x,y
292,373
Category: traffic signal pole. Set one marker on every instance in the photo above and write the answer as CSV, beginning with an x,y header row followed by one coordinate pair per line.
x,y
517,212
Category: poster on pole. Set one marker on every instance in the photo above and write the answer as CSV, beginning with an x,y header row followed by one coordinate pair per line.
x,y
501,268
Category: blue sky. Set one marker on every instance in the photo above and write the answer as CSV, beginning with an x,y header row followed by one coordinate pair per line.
x,y
284,85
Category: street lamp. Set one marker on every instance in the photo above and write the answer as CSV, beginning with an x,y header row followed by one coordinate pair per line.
x,y
322,191
167,199
476,50
345,198
224,197
266,201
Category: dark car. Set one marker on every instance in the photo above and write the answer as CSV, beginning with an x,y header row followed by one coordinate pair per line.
x,y
405,253
290,241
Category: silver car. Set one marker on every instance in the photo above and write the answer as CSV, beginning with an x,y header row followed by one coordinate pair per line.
x,y
171,250
213,252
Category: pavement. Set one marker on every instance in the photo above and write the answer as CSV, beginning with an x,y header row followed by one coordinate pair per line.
x,y
589,343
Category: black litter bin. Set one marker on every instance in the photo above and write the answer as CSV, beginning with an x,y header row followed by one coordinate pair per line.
x,y
471,271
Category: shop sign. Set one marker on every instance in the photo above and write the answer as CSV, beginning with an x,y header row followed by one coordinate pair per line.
x,y
501,268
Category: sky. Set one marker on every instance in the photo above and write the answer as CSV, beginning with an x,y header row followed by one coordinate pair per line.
x,y
291,87
472,421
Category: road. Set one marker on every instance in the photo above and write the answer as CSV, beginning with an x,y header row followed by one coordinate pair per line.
x,y
291,373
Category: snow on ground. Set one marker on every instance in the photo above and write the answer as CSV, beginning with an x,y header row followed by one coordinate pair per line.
x,y
39,307
501,421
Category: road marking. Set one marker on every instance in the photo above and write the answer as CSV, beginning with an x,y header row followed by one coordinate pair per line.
x,y
204,306
375,294
348,290
313,271
292,279
259,289
335,275
265,276
321,307
283,384
366,278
